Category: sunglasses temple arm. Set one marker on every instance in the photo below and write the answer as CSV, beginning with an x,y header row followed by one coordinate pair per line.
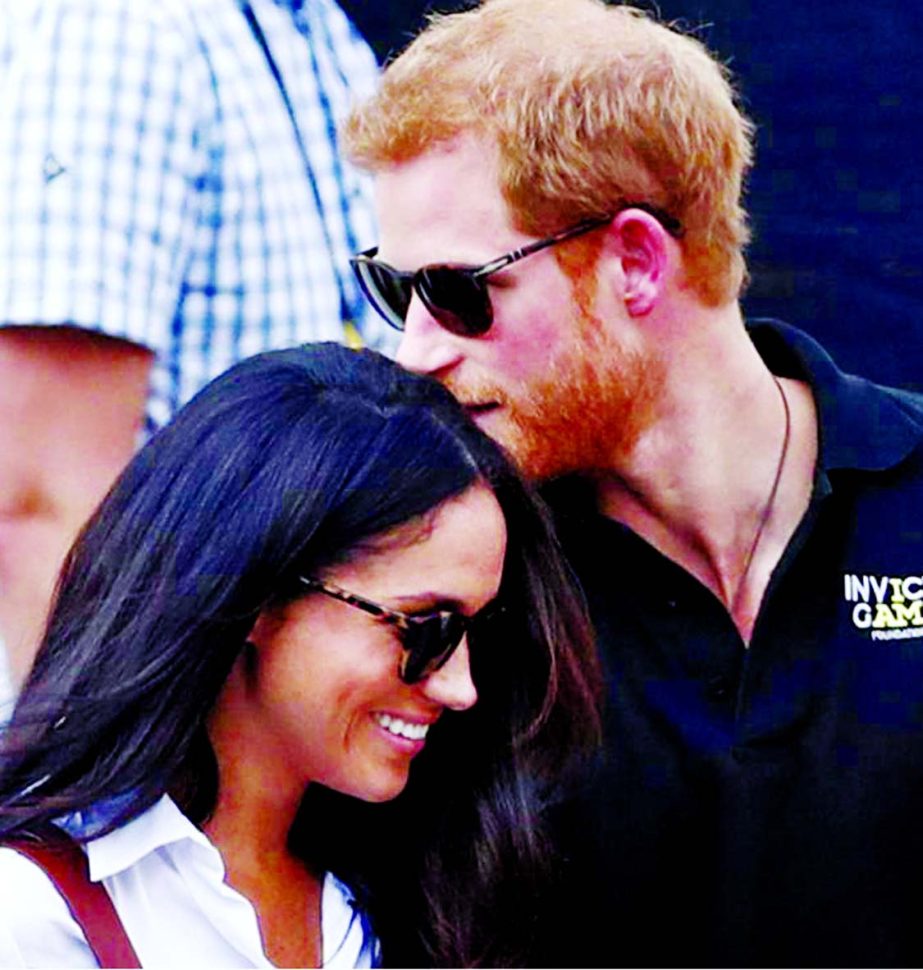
x,y
517,254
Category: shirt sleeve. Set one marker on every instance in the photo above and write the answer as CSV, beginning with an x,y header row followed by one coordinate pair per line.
x,y
104,140
36,927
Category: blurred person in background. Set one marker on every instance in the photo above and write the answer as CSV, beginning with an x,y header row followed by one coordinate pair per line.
x,y
171,201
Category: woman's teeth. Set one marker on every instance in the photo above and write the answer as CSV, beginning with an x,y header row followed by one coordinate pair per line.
x,y
403,729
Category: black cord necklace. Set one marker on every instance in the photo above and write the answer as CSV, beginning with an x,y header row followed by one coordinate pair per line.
x,y
770,502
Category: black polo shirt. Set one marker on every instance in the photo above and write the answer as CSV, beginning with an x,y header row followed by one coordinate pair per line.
x,y
762,806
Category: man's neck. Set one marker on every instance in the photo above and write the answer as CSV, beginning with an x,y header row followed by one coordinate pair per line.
x,y
698,485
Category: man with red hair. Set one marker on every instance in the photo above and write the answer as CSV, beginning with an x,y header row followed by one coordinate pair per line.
x,y
561,242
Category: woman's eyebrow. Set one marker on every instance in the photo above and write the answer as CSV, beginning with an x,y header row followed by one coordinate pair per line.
x,y
429,600
430,603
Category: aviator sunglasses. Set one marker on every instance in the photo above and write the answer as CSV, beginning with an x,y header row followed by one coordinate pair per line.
x,y
428,640
457,295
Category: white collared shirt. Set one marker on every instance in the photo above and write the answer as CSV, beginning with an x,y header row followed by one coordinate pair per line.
x,y
167,883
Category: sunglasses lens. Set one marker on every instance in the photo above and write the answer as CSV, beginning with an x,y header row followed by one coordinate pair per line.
x,y
458,300
429,642
387,290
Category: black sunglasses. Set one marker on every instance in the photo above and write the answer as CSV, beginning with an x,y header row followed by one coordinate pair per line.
x,y
457,295
428,641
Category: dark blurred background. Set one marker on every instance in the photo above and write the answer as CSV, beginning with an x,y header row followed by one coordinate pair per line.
x,y
835,197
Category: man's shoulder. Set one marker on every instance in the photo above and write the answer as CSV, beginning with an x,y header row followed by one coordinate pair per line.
x,y
868,426
36,927
783,346
909,403
863,425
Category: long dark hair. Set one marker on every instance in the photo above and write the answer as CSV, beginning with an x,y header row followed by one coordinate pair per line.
x,y
283,466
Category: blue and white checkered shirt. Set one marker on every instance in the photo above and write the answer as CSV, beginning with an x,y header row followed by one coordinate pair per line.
x,y
169,175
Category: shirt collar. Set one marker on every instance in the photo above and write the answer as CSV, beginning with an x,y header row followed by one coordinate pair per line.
x,y
162,824
345,928
862,425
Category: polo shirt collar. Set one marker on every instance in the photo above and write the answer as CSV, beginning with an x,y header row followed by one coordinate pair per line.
x,y
863,425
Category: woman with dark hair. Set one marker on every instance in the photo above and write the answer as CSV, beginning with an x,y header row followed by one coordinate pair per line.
x,y
318,572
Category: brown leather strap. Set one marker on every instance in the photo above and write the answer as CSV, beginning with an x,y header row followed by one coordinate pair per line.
x,y
66,865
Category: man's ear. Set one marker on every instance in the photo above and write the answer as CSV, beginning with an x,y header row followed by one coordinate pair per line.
x,y
643,247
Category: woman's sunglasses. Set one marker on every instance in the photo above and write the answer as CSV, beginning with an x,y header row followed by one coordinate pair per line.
x,y
428,641
457,295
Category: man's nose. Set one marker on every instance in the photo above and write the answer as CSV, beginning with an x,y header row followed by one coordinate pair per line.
x,y
426,347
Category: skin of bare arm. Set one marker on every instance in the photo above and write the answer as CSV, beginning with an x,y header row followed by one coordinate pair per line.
x,y
71,409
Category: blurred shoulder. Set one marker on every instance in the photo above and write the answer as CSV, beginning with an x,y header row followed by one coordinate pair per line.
x,y
36,927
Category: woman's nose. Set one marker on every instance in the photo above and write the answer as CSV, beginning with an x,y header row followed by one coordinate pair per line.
x,y
451,685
